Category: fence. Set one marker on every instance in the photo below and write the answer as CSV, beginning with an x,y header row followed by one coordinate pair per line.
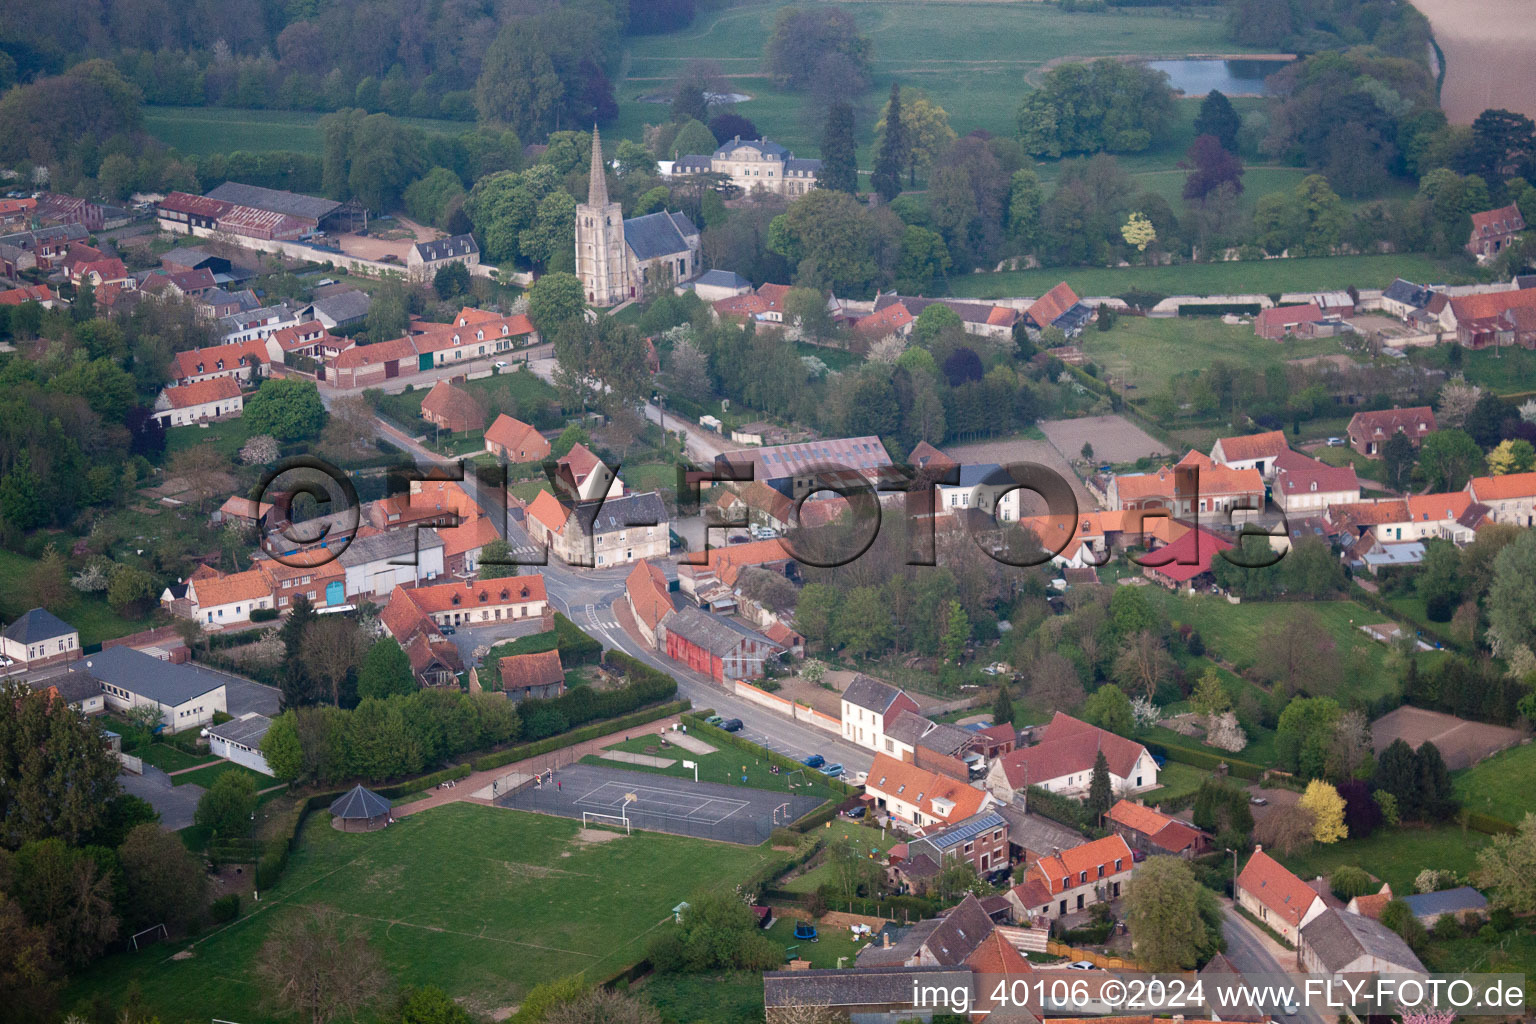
x,y
133,764
1111,963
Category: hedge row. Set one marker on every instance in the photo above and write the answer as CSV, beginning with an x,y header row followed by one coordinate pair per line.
x,y
1487,824
772,871
587,732
575,647
1430,632
458,771
1205,759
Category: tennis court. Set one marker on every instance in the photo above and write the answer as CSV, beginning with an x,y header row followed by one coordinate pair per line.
x,y
658,803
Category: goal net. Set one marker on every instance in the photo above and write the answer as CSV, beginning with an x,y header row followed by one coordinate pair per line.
x,y
614,820
148,936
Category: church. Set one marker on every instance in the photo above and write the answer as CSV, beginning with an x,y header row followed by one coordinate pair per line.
x,y
618,259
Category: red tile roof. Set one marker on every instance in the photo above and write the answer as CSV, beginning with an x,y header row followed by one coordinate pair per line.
x,y
373,355
1187,557
1286,316
521,441
1052,304
457,409
1252,446
1502,488
546,508
26,293
1276,888
444,597
469,536
200,392
887,321
913,785
1415,421
731,559
1497,222
1441,507
1475,307
198,361
773,294
646,586
1167,833
241,586
741,306
1048,872
1069,746
1297,473
524,671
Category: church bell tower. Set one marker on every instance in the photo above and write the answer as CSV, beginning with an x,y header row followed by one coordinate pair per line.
x,y
602,259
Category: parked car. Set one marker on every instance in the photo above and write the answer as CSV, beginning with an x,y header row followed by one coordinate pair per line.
x,y
713,720
501,364
858,812
1160,761
1335,442
731,725
831,771
1258,801
859,778
814,761
447,630
1082,965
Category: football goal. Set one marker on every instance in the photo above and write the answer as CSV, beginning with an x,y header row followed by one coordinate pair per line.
x,y
615,820
147,936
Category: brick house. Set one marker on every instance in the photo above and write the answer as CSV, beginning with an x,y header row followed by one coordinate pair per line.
x,y
1071,880
649,599
980,841
515,441
449,408
1510,498
921,798
1305,485
1251,451
1368,432
715,646
1154,832
613,532
1493,230
1062,762
537,675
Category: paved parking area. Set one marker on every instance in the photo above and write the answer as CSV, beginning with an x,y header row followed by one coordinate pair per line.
x,y
176,804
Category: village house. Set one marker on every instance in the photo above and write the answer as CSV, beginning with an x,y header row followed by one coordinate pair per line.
x,y
322,581
934,746
80,692
309,340
1488,319
38,637
1303,485
1404,298
245,362
585,476
714,645
186,696
978,318
594,534
1153,832
487,334
755,504
1031,836
920,798
204,400
754,165
229,600
475,602
452,409
1368,432
1279,322
796,469
714,285
1509,499
341,310
869,993
1251,451
1493,230
376,563
1062,762
424,259
434,659
868,706
1188,560
894,321
1463,903
649,598
464,543
980,841
1059,308
1418,517
261,322
515,441
1371,904
38,293
526,676
1072,880
1276,897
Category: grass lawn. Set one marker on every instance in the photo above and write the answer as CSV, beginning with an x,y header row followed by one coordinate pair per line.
x,y
724,765
836,358
1255,276
171,759
1396,856
821,874
88,613
1233,631
1513,952
226,436
1149,353
1505,371
203,130
483,902
830,944
732,998
1501,785
204,776
650,476
1177,781
1366,469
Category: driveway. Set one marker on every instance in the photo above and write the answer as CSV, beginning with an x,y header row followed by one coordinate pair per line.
x,y
176,804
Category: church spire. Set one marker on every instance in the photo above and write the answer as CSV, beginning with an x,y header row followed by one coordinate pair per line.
x,y
597,185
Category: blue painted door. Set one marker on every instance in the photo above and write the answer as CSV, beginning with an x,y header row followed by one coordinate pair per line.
x,y
335,593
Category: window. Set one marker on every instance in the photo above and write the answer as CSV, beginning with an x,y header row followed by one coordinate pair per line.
x,y
1118,860
1082,877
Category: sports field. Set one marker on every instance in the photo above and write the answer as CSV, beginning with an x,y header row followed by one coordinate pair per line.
x,y
481,901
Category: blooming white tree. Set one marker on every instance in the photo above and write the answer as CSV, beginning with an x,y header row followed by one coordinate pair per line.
x,y
259,450
90,580
1145,713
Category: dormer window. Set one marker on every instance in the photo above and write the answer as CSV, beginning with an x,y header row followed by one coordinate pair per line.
x,y
503,595
456,599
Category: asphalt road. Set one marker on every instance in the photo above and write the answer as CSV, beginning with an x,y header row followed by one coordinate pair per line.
x,y
1252,957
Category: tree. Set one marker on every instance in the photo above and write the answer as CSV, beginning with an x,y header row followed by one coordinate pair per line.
x,y
431,1005
925,130
806,39
1508,867
162,883
1398,456
1512,596
1214,166
1285,830
689,104
29,975
57,775
1296,652
599,363
555,300
1512,456
281,748
604,1006
1397,776
892,154
1144,663
319,965
816,613
1109,708
1436,792
1449,458
1325,805
1210,696
388,314
1002,707
1101,795
332,647
839,169
48,585
518,85
1138,231
835,242
297,682
288,408
923,262
386,670
864,623
227,805
450,280
957,632
1054,683
1399,916
1174,920
1218,118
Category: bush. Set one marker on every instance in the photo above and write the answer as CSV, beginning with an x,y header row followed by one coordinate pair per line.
x,y
1487,933
574,736
1350,881
270,868
225,908
263,614
1502,919
575,647
1447,928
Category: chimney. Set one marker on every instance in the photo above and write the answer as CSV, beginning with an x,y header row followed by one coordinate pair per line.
x,y
1258,847
886,936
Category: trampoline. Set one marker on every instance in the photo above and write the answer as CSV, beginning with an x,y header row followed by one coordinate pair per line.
x,y
805,930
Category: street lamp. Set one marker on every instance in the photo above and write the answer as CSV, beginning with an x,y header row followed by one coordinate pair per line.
x,y
1234,873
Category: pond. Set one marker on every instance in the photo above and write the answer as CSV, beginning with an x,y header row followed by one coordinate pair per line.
x,y
1197,77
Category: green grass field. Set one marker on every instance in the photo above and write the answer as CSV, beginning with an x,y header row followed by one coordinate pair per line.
x,y
203,130
1506,371
1176,781
842,828
1232,631
1149,353
483,902
1501,785
204,776
724,765
89,613
1260,277
226,436
1395,855
171,759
